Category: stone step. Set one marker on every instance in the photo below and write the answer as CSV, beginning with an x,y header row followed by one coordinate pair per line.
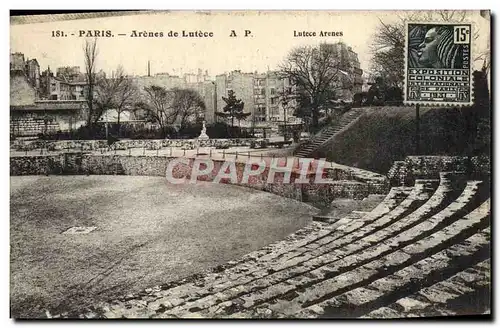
x,y
339,222
328,133
219,281
320,260
465,293
373,223
315,289
430,271
392,200
282,280
313,254
439,200
407,205
341,207
325,218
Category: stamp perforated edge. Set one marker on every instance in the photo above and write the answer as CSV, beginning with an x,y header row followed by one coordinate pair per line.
x,y
471,84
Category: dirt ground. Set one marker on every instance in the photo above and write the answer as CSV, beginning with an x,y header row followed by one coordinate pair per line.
x,y
148,232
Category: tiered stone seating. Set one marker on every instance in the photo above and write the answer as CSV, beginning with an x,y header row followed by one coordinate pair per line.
x,y
413,245
460,291
407,272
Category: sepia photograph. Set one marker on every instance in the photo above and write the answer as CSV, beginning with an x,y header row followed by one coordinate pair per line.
x,y
250,164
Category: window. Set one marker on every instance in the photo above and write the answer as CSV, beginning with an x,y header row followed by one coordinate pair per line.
x,y
263,92
260,109
273,91
259,98
273,100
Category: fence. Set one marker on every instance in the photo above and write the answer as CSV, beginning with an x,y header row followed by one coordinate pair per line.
x,y
206,152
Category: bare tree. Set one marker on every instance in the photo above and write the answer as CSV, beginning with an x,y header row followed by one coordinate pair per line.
x,y
484,56
106,90
125,97
388,53
90,55
117,92
158,106
189,104
315,72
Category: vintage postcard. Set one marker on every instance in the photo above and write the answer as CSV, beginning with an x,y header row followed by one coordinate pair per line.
x,y
250,164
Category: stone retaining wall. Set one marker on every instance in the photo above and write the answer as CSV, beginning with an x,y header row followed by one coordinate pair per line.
x,y
404,173
31,124
94,164
23,145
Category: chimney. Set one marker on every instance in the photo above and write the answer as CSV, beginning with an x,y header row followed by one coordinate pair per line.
x,y
149,69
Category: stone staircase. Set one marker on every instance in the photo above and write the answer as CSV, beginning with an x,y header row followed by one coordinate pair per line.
x,y
423,251
325,135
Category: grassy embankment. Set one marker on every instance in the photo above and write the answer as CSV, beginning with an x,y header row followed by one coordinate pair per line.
x,y
387,134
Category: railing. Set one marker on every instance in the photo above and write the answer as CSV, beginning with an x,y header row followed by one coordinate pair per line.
x,y
203,152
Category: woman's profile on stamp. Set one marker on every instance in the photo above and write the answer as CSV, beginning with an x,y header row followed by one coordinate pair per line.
x,y
433,46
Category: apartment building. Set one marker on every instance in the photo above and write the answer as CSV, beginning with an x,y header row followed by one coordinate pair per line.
x,y
350,81
261,93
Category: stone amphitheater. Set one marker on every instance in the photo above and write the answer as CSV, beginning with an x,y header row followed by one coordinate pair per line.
x,y
423,251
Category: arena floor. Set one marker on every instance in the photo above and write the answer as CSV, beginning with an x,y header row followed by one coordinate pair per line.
x,y
148,232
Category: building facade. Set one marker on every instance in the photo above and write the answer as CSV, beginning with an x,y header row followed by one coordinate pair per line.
x,y
31,110
262,95
68,73
350,79
17,62
64,90
29,68
33,72
47,116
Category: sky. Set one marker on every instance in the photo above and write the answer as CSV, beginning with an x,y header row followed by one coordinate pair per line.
x,y
271,38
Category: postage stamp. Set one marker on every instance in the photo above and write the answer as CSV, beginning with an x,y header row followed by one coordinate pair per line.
x,y
438,63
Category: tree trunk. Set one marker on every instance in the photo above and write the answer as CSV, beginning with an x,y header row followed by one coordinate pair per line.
x,y
163,131
118,123
315,117
90,103
89,117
